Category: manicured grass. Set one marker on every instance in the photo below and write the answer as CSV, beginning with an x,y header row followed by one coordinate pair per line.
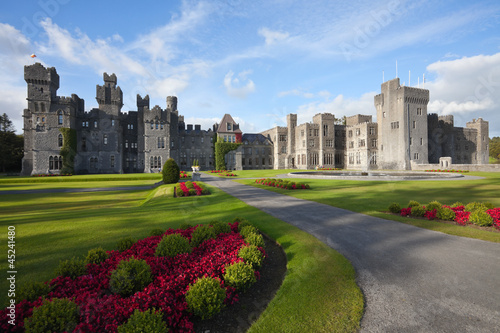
x,y
373,197
319,292
80,178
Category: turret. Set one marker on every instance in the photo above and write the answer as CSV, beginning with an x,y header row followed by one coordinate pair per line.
x,y
109,96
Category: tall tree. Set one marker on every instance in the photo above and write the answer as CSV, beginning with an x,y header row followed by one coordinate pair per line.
x,y
495,147
11,146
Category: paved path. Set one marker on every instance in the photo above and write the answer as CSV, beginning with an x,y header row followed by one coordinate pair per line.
x,y
414,280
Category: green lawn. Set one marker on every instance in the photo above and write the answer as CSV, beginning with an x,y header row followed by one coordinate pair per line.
x,y
373,197
258,173
319,292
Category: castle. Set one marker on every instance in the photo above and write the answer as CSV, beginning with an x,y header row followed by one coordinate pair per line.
x,y
108,140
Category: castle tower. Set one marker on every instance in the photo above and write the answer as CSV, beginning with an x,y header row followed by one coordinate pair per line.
x,y
482,141
172,103
109,96
291,122
402,121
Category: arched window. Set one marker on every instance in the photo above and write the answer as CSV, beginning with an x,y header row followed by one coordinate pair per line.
x,y
60,163
157,125
59,117
159,161
51,162
60,140
155,162
151,164
84,143
105,139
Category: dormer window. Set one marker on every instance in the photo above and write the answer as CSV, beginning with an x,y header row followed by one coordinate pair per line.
x,y
228,126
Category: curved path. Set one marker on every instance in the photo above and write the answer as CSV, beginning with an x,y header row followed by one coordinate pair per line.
x,y
413,279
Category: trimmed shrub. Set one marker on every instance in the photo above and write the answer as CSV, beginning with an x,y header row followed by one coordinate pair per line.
x,y
170,172
179,192
185,226
204,190
249,229
71,268
201,234
434,205
395,208
473,206
221,228
445,213
240,275
488,205
172,245
252,255
418,211
241,223
192,192
96,256
189,184
457,204
130,276
125,244
413,203
254,239
56,315
205,297
149,321
31,291
156,232
480,218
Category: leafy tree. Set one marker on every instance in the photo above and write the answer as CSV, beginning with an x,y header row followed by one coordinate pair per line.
x,y
11,146
495,147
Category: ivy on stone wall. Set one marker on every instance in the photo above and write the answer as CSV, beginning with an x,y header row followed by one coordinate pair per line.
x,y
68,150
221,149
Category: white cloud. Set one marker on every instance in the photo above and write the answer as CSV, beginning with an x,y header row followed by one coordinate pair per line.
x,y
236,86
468,88
273,37
301,93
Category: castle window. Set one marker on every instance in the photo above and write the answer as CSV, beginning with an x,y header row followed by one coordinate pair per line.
x,y
410,141
263,160
51,162
351,144
243,161
105,139
303,143
161,126
419,111
362,143
312,143
93,163
358,131
373,159
282,138
374,143
43,119
383,114
302,133
202,139
283,149
60,140
415,156
156,125
228,126
350,133
270,160
372,130
112,162
414,124
249,161
84,143
159,162
112,122
59,118
421,141
36,107
43,106
325,130
152,126
316,132
126,143
172,144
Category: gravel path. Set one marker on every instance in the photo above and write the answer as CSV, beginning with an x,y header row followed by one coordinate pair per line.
x,y
413,280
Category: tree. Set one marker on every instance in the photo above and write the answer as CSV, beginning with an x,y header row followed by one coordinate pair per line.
x,y
170,172
495,147
11,146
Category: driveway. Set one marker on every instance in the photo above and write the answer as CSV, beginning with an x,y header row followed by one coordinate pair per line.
x,y
413,280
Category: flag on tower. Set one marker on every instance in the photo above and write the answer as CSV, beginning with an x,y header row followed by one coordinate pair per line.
x,y
33,55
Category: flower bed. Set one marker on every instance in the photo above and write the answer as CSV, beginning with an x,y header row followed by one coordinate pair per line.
x,y
102,311
457,212
447,170
282,183
184,175
187,189
329,169
51,174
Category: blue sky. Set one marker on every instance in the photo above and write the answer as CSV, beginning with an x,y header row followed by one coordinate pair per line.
x,y
258,60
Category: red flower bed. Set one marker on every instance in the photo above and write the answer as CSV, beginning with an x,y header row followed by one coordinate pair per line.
x,y
281,183
447,170
184,175
51,175
101,311
185,189
327,169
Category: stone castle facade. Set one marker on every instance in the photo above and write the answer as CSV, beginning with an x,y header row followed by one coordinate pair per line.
x,y
111,141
